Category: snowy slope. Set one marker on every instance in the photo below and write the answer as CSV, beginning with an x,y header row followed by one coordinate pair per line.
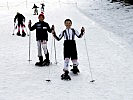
x,y
114,17
111,62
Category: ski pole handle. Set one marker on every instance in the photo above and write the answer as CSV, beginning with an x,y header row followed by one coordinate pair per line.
x,y
82,29
29,24
29,21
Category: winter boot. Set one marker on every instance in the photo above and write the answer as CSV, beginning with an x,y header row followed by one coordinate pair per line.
x,y
46,62
75,69
18,34
23,34
65,76
40,61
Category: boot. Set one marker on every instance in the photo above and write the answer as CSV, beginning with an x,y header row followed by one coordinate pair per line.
x,y
23,34
46,62
40,61
65,76
75,69
18,34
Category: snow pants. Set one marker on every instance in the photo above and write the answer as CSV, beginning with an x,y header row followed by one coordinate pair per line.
x,y
42,44
22,26
70,51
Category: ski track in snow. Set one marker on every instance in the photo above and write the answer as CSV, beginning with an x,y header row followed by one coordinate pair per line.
x,y
111,63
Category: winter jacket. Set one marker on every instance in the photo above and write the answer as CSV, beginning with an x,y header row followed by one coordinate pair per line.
x,y
69,34
20,18
35,6
42,29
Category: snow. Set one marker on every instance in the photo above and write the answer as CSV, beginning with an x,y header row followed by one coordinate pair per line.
x,y
110,55
114,17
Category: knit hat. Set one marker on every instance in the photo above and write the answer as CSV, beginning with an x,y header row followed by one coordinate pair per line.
x,y
41,15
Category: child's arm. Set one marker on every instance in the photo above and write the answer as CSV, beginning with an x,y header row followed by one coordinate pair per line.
x,y
31,28
15,18
49,29
54,34
81,34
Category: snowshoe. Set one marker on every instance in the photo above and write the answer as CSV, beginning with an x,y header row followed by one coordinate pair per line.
x,y
18,34
38,64
40,61
65,76
75,70
23,34
46,63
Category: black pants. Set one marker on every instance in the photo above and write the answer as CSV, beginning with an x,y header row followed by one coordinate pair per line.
x,y
20,23
70,50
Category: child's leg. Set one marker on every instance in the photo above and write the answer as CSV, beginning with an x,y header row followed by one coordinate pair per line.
x,y
75,69
66,76
23,33
75,62
44,46
22,26
66,64
39,48
39,54
18,28
18,33
74,58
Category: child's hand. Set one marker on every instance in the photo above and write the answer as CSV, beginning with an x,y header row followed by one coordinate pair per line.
x,y
53,32
29,24
29,21
82,30
52,28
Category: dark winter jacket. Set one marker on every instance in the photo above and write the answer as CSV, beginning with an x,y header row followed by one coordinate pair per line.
x,y
35,6
20,18
42,5
42,29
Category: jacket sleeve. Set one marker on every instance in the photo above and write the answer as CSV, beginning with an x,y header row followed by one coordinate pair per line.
x,y
15,18
32,27
60,36
49,29
79,35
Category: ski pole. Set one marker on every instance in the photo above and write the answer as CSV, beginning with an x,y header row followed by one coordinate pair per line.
x,y
25,29
55,52
29,42
51,48
92,80
48,80
14,28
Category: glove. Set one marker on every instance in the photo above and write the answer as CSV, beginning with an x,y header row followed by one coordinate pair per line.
x,y
53,32
52,28
82,30
29,24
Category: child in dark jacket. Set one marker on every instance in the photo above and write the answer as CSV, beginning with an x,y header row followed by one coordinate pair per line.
x,y
42,29
70,50
21,19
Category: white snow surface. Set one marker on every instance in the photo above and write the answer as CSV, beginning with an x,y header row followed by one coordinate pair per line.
x,y
110,57
114,17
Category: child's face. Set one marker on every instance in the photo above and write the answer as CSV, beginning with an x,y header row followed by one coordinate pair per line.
x,y
41,18
68,24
